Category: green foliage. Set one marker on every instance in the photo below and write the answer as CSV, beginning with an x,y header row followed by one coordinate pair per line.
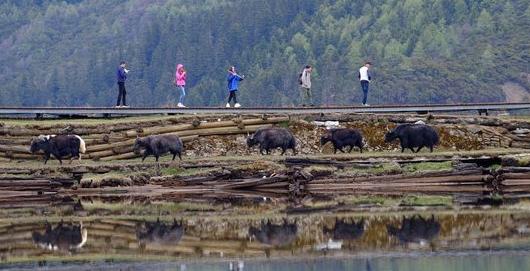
x,y
58,53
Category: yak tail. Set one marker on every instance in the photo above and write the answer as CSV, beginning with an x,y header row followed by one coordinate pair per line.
x,y
82,145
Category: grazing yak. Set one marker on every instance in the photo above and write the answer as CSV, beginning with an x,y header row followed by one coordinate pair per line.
x,y
64,237
159,233
158,145
270,138
59,146
345,231
274,235
414,136
343,137
415,229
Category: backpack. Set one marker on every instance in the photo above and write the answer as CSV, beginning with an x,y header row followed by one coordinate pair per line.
x,y
300,78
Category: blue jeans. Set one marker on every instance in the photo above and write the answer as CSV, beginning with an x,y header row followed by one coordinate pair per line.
x,y
182,94
364,86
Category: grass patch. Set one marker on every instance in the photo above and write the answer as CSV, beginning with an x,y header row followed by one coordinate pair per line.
x,y
424,200
154,208
369,200
495,167
113,178
428,166
379,169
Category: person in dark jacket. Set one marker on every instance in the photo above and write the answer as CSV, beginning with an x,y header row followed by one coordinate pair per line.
x,y
365,77
233,85
121,76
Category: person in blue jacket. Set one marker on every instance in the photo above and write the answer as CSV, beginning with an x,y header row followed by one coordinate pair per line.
x,y
233,84
121,76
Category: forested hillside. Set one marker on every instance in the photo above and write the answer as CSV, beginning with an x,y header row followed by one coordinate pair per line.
x,y
62,53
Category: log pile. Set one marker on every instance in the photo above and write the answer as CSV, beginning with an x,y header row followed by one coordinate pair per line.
x,y
115,142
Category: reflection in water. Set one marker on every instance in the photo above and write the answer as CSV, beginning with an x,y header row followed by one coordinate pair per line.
x,y
159,233
415,229
64,237
345,231
275,235
138,230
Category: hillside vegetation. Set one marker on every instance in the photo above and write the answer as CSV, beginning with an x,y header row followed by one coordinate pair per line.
x,y
425,51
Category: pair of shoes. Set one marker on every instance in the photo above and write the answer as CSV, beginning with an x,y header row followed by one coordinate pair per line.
x,y
125,106
237,105
118,106
180,105
366,105
227,105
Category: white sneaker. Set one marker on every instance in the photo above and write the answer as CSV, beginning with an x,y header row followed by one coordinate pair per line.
x,y
227,105
180,105
237,105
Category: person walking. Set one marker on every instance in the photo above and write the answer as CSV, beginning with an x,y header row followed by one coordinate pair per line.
x,y
365,77
121,75
233,85
180,82
306,97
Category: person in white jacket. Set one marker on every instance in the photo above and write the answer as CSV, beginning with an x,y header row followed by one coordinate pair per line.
x,y
306,97
365,77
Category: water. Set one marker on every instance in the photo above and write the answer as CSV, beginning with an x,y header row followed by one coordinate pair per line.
x,y
214,232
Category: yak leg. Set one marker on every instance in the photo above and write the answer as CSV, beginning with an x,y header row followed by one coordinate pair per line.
x,y
156,157
58,158
46,158
351,148
174,155
335,150
432,148
261,150
180,156
146,153
341,149
419,148
412,149
283,150
402,148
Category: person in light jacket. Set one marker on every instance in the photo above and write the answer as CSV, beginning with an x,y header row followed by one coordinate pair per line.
x,y
306,97
233,85
180,82
365,77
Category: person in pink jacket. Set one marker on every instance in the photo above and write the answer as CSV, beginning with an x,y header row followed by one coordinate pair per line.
x,y
180,82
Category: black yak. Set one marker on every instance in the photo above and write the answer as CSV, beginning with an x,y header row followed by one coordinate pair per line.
x,y
275,235
271,138
63,237
416,229
414,136
343,137
160,233
345,231
158,145
59,146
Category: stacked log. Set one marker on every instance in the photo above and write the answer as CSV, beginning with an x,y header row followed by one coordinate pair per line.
x,y
115,142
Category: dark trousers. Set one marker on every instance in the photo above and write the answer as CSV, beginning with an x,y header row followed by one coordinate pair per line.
x,y
364,86
232,96
121,93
